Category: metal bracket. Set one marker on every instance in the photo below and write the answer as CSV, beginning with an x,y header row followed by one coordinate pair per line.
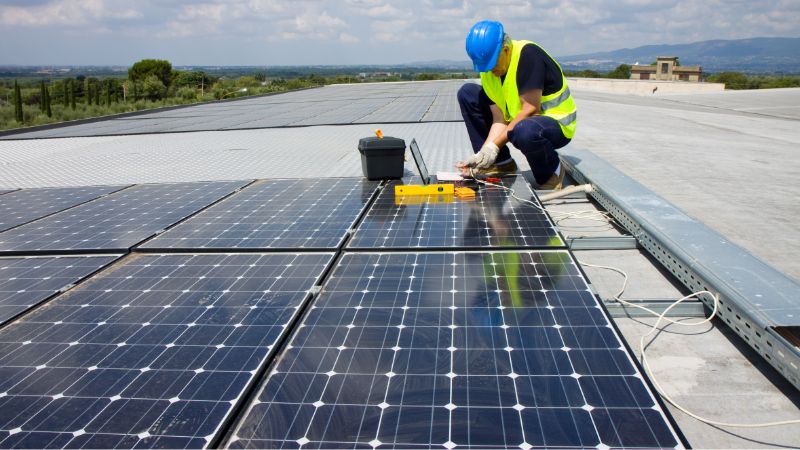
x,y
688,308
602,242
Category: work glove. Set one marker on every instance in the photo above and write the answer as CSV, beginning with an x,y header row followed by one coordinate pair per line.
x,y
484,158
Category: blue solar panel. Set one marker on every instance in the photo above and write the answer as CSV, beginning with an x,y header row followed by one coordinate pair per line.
x,y
154,352
118,221
492,219
26,205
455,350
275,214
26,281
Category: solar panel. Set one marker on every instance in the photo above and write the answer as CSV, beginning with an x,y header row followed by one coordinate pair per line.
x,y
30,204
154,352
118,221
452,350
26,281
491,219
402,109
276,214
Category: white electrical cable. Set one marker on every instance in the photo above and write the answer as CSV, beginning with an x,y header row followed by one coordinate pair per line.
x,y
558,217
654,328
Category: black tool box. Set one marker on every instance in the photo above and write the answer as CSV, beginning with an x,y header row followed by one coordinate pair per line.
x,y
382,158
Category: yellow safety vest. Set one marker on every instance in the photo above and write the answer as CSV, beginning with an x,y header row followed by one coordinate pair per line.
x,y
558,105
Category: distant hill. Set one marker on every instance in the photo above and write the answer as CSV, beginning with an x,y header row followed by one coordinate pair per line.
x,y
756,55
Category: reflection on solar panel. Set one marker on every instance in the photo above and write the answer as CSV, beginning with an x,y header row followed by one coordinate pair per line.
x,y
30,204
154,352
285,214
118,221
492,219
24,282
478,350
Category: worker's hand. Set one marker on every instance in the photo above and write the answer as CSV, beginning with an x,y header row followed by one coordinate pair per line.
x,y
484,158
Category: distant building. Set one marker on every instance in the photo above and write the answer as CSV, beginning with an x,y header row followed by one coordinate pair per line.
x,y
666,69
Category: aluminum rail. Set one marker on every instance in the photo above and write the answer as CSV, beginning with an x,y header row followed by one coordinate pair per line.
x,y
759,303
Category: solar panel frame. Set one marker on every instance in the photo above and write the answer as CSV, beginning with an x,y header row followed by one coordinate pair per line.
x,y
27,205
27,281
492,219
116,222
137,358
288,214
528,369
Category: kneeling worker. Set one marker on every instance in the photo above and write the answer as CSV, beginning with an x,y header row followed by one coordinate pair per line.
x,y
524,100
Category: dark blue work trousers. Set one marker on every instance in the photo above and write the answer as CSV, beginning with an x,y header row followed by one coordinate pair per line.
x,y
536,137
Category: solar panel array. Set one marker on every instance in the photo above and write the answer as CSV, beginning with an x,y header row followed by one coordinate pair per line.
x,y
155,352
118,221
26,205
26,281
275,214
247,324
329,105
446,350
492,219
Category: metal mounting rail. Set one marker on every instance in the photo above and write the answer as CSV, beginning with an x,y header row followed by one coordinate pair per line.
x,y
759,303
602,242
689,308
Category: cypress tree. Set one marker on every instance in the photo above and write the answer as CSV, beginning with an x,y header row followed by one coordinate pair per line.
x,y
87,91
72,94
47,110
97,88
42,99
66,93
17,103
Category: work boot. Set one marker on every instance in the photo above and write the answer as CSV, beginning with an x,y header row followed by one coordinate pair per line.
x,y
498,170
555,182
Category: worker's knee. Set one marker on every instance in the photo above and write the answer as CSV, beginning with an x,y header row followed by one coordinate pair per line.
x,y
469,93
527,133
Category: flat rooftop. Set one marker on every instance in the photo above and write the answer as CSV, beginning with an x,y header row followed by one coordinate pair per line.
x,y
728,159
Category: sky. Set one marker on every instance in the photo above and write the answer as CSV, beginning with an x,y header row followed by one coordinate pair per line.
x,y
323,32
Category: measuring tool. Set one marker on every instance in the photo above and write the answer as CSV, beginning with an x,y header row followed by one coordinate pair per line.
x,y
426,188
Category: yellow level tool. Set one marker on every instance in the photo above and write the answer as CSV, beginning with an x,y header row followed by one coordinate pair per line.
x,y
428,189
408,200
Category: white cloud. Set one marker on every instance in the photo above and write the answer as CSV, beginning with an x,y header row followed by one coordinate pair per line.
x,y
71,13
321,31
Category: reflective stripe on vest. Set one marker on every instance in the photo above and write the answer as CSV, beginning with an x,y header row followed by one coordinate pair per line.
x,y
558,105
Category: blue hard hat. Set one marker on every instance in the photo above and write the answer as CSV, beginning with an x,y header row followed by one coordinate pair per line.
x,y
484,41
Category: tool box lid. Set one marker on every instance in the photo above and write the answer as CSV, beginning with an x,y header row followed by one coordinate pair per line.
x,y
385,143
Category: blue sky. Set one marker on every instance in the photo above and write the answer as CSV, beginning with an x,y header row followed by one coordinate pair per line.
x,y
307,32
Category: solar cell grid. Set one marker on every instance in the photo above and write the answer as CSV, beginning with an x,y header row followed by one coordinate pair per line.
x,y
276,214
492,219
30,204
118,221
154,352
26,281
455,350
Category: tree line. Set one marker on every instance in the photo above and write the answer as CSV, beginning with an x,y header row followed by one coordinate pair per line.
x,y
149,83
